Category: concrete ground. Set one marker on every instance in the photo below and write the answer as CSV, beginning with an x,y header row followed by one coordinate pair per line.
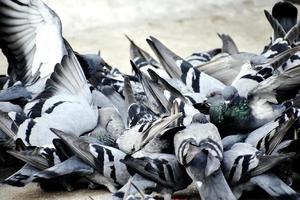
x,y
184,26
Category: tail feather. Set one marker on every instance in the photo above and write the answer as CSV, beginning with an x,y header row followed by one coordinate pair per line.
x,y
40,158
293,34
275,187
72,165
77,146
229,45
168,59
165,84
7,125
214,187
210,187
286,14
22,177
139,56
62,150
278,30
154,93
128,92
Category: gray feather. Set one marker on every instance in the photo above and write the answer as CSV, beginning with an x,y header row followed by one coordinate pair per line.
x,y
275,187
229,45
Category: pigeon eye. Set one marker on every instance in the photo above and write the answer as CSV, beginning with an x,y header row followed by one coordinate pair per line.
x,y
213,94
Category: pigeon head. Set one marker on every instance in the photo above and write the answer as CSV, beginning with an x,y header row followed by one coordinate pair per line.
x,y
217,97
200,118
229,93
214,97
91,63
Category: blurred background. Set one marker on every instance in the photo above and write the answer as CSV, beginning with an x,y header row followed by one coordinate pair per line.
x,y
184,26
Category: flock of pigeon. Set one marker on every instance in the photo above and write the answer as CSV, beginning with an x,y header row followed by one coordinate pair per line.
x,y
223,121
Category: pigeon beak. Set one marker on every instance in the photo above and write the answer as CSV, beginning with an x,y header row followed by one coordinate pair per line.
x,y
205,102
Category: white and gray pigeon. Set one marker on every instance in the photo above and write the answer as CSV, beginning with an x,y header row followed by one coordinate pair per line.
x,y
65,175
106,161
268,137
244,166
66,104
162,169
181,70
141,134
199,149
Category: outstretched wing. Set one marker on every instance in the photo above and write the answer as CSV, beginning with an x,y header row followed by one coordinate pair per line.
x,y
30,38
67,79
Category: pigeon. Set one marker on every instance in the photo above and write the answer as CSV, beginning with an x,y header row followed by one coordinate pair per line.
x,y
267,137
117,100
110,126
243,163
16,95
68,174
91,63
65,90
228,62
199,149
109,170
141,134
180,69
157,101
163,169
252,100
36,158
